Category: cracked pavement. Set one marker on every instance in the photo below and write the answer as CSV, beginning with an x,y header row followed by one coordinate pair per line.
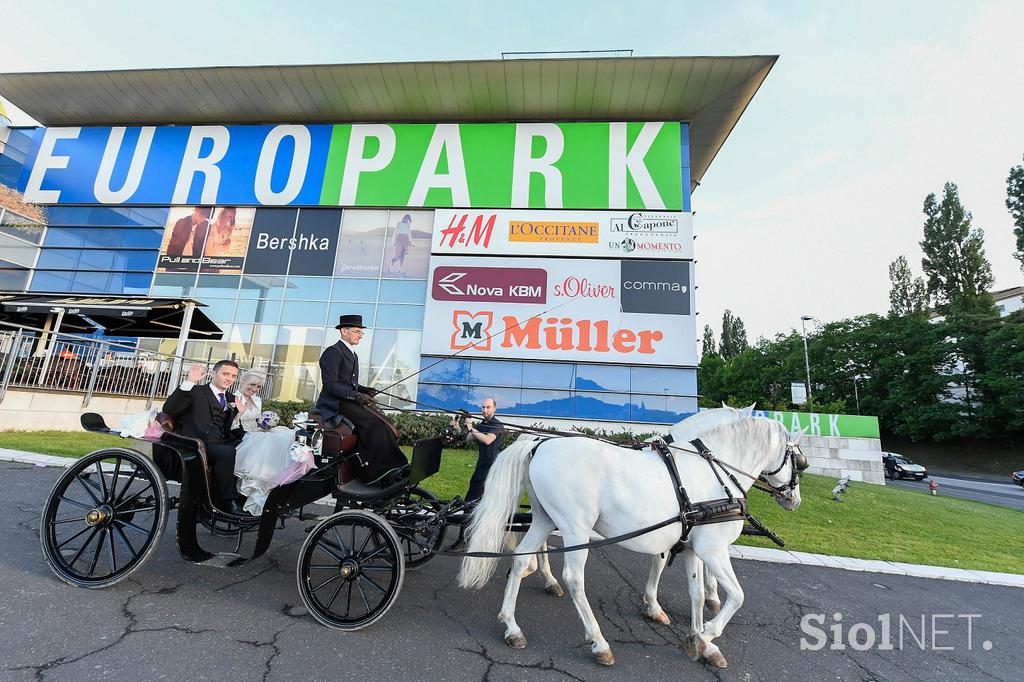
x,y
175,620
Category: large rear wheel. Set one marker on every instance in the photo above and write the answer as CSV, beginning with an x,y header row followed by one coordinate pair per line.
x,y
350,570
104,518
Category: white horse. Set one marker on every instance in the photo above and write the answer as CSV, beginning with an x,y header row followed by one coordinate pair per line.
x,y
624,490
682,433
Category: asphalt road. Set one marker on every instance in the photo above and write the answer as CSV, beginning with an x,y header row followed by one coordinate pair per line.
x,y
174,620
1002,493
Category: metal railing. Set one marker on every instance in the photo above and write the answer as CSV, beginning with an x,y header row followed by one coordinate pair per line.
x,y
32,358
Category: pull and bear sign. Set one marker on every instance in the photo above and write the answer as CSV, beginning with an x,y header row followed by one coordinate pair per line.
x,y
632,166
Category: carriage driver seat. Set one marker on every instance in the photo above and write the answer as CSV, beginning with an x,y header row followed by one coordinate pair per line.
x,y
340,441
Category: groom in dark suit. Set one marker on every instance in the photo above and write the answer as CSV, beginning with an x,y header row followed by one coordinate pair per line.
x,y
343,396
206,412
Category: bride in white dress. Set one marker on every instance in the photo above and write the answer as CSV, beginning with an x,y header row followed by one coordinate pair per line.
x,y
263,456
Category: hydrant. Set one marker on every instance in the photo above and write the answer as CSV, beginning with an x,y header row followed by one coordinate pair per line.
x,y
933,486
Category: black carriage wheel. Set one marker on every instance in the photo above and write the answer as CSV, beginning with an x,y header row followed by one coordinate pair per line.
x,y
403,517
104,517
350,570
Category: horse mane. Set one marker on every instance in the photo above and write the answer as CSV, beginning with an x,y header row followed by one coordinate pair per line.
x,y
746,433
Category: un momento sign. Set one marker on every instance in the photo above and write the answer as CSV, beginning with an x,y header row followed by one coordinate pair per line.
x,y
616,234
633,166
579,310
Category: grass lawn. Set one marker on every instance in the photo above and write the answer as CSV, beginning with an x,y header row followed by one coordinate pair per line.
x,y
872,522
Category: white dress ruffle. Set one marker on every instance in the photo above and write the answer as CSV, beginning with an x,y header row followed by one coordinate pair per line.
x,y
261,459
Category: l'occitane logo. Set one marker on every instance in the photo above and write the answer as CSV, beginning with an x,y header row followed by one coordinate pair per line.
x,y
564,232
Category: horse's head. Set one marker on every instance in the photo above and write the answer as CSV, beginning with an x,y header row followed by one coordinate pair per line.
x,y
784,476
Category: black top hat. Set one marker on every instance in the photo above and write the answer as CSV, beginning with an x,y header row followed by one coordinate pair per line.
x,y
350,321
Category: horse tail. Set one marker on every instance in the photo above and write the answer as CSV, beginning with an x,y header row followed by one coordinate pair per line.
x,y
489,525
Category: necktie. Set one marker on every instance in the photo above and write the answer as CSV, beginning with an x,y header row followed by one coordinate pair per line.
x,y
223,403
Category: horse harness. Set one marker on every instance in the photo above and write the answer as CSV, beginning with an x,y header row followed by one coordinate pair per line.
x,y
722,510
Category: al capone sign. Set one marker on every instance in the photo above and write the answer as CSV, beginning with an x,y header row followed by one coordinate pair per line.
x,y
498,165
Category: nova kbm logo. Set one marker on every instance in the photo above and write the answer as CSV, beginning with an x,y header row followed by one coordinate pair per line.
x,y
471,330
491,285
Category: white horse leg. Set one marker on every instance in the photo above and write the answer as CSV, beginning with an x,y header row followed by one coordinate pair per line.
x,y
551,585
694,568
701,644
711,598
522,566
654,610
572,574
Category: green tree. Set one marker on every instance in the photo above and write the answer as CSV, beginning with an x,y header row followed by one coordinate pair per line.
x,y
954,253
734,336
1015,205
908,295
707,344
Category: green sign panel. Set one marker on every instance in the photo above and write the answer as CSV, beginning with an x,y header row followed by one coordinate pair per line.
x,y
845,425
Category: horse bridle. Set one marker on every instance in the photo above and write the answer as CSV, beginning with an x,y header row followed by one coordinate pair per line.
x,y
797,459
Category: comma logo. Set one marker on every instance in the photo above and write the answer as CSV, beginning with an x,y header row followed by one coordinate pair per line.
x,y
471,330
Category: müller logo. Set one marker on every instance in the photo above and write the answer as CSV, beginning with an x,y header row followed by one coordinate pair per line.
x,y
490,285
646,223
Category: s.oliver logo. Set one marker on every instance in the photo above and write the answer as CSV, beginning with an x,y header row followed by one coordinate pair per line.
x,y
490,285
646,223
581,287
565,232
650,286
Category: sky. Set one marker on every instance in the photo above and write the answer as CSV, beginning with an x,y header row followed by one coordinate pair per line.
x,y
871,106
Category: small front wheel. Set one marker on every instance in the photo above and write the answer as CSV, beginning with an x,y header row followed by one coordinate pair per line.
x,y
350,570
104,517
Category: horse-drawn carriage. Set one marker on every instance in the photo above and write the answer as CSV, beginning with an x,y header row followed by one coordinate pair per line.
x,y
107,512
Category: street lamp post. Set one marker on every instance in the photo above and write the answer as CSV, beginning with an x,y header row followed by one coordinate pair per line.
x,y
807,362
855,395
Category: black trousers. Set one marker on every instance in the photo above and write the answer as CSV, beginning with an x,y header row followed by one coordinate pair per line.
x,y
484,461
378,447
222,461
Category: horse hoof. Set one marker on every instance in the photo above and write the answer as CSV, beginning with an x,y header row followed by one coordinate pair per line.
x,y
516,641
713,607
605,657
694,647
555,590
717,660
660,617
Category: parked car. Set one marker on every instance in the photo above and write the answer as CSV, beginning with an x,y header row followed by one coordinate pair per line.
x,y
1018,478
897,466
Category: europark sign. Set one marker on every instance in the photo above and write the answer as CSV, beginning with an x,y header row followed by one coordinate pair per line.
x,y
628,166
839,425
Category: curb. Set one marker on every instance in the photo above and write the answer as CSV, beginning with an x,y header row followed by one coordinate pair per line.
x,y
775,556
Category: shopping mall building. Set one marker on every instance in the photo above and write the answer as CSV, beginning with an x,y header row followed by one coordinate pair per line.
x,y
530,217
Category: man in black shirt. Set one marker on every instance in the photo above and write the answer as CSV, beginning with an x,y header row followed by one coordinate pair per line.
x,y
487,436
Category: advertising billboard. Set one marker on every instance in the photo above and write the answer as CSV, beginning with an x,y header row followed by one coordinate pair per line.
x,y
582,310
608,234
595,165
306,240
205,239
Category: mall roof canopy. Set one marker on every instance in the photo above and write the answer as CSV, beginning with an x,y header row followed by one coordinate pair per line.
x,y
709,92
141,316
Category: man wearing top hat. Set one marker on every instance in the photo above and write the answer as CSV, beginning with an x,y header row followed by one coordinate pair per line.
x,y
343,396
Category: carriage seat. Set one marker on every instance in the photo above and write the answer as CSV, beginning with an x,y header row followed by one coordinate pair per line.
x,y
169,462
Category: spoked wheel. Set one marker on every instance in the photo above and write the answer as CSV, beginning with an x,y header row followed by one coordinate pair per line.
x,y
104,518
350,570
407,517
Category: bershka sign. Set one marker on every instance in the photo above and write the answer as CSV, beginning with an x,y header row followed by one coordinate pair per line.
x,y
609,234
561,309
589,165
